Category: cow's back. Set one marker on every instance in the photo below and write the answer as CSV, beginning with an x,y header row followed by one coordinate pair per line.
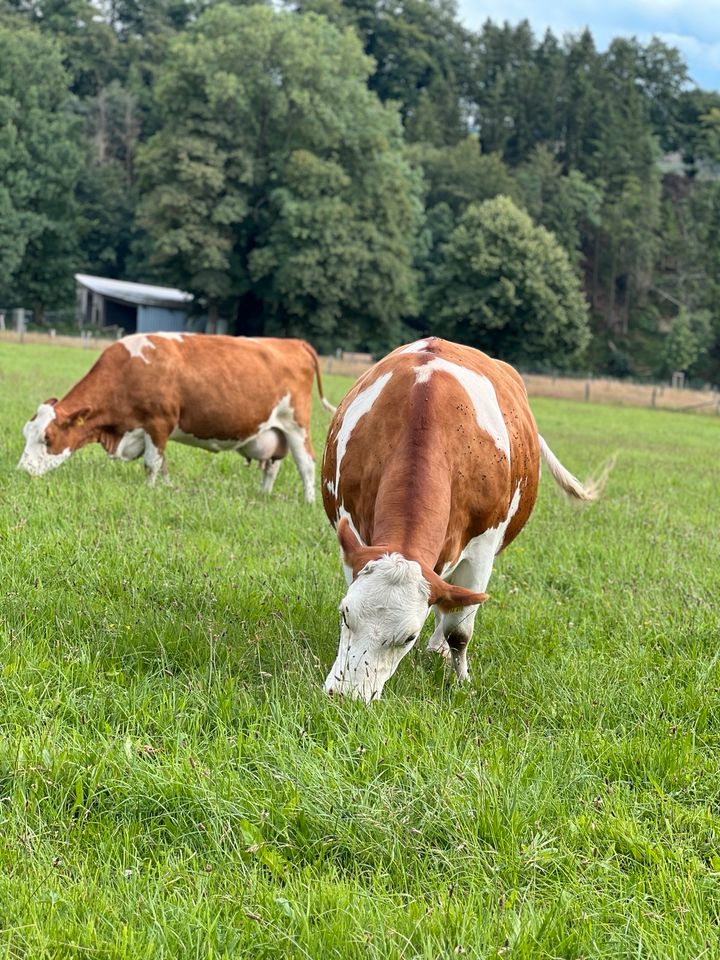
x,y
211,386
435,416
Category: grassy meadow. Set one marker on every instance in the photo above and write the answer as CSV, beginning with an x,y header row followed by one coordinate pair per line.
x,y
174,782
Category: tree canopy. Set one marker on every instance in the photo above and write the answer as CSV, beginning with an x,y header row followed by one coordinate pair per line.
x,y
507,286
277,179
308,168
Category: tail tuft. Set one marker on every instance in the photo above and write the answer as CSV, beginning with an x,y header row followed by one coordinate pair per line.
x,y
327,405
586,492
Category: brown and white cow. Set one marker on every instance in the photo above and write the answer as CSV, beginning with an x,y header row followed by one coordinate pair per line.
x,y
219,393
431,467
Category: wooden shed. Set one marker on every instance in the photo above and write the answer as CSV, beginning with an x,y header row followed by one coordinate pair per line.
x,y
130,307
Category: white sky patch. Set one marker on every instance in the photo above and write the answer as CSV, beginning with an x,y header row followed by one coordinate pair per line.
x,y
693,28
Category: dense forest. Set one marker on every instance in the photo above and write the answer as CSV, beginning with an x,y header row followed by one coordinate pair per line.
x,y
358,171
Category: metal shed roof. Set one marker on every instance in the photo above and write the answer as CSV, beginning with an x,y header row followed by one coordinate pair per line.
x,y
137,293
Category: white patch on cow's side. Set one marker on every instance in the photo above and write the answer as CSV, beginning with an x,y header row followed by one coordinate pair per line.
x,y
131,446
416,347
35,458
383,612
481,551
482,393
137,342
471,570
361,405
265,444
330,487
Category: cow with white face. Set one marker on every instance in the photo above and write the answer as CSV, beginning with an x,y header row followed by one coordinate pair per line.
x,y
251,395
431,468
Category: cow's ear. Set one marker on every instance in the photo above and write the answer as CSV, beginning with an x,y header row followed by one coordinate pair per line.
x,y
449,597
76,418
51,402
349,543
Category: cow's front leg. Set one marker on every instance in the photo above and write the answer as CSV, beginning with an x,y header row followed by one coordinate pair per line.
x,y
454,628
154,459
457,630
437,642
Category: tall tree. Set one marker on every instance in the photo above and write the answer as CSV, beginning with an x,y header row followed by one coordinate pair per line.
x,y
508,287
422,59
40,164
277,181
568,205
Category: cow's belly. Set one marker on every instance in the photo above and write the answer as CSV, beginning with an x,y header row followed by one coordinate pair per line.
x,y
266,445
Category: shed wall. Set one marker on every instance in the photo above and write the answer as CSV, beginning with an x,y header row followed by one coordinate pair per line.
x,y
153,319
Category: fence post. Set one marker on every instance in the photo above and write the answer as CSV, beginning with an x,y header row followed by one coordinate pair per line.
x,y
653,397
587,391
20,323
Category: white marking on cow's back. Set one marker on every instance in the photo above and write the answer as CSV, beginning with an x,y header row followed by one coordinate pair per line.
x,y
416,347
482,394
330,487
361,405
137,342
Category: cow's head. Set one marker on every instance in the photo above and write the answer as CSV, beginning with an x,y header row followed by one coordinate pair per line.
x,y
50,438
382,614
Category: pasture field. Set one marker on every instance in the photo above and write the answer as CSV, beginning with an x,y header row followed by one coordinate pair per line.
x,y
174,782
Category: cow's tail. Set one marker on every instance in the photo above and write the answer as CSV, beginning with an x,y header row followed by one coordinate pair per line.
x,y
586,492
326,403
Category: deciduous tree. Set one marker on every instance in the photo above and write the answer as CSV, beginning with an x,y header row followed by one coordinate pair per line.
x,y
507,287
277,180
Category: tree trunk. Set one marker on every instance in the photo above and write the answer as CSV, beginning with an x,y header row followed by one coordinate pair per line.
x,y
595,269
39,313
610,317
212,320
249,316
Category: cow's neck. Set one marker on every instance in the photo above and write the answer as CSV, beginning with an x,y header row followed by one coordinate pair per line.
x,y
412,510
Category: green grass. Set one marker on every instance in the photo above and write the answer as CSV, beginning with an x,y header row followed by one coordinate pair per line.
x,y
174,783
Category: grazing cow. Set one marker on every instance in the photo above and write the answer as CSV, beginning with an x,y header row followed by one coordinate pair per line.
x,y
218,393
431,467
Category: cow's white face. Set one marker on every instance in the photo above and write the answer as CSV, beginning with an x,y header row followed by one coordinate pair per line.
x,y
382,614
40,454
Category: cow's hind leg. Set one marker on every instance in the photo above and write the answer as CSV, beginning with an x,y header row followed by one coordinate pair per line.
x,y
270,471
296,438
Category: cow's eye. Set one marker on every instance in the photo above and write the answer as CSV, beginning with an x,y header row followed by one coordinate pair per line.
x,y
409,639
